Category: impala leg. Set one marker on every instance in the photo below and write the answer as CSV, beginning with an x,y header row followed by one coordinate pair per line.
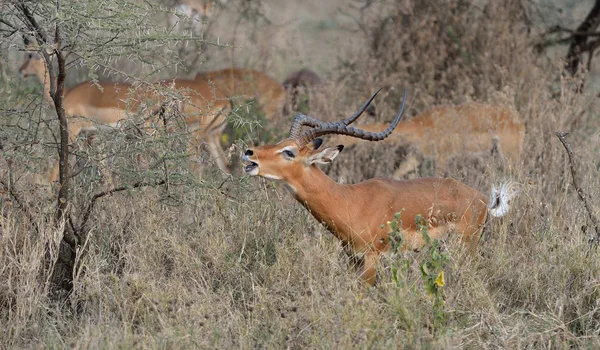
x,y
214,130
214,148
195,148
214,145
369,268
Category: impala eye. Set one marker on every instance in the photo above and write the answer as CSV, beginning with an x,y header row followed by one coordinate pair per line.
x,y
288,154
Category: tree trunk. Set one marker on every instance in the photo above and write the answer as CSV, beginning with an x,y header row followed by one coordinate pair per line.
x,y
62,276
591,22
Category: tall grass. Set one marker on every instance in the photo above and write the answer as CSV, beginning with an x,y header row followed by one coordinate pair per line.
x,y
240,264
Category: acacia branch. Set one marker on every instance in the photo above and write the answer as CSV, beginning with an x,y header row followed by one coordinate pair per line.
x,y
2,20
90,208
20,202
582,195
33,24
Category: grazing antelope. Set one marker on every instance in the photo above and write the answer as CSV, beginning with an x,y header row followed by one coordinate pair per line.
x,y
268,92
303,77
355,213
447,131
108,103
303,81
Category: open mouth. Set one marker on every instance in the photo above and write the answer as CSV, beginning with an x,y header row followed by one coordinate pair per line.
x,y
250,167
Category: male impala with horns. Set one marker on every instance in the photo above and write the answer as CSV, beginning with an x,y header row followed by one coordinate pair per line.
x,y
355,213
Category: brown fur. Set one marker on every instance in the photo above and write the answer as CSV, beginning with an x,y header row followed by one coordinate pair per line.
x,y
354,213
204,108
249,83
303,77
447,131
304,81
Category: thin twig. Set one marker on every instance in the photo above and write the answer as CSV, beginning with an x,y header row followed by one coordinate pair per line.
x,y
97,196
572,32
20,202
582,195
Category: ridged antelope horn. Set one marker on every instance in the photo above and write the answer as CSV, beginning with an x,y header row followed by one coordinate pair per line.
x,y
342,129
302,120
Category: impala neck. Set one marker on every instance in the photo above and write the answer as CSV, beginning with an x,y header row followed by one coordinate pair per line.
x,y
44,77
324,198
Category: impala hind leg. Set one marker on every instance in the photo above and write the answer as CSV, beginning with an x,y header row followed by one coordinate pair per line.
x,y
368,273
211,141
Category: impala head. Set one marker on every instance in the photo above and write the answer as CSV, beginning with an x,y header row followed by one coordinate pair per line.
x,y
300,151
33,64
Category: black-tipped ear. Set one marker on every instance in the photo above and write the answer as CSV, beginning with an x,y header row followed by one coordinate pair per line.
x,y
340,147
316,143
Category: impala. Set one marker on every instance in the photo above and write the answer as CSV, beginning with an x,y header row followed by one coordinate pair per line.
x,y
358,214
268,92
469,128
300,86
108,103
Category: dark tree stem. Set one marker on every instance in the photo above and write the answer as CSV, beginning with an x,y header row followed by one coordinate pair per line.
x,y
582,195
580,37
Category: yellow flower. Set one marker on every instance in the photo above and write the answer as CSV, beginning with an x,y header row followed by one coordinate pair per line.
x,y
440,279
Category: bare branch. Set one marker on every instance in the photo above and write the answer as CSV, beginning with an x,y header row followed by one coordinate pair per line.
x,y
591,22
17,198
582,195
33,25
91,205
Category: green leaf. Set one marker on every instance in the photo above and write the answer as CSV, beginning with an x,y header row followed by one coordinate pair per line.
x,y
425,269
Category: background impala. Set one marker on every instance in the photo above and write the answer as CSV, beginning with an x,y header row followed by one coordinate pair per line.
x,y
356,213
444,132
250,84
90,104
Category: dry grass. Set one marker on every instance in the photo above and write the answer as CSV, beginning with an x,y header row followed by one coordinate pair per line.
x,y
243,266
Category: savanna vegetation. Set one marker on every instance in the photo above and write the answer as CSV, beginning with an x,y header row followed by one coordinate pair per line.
x,y
134,249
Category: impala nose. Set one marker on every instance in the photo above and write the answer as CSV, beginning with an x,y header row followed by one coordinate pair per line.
x,y
249,153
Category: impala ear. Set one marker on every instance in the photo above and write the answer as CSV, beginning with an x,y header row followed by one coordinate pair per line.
x,y
326,156
315,144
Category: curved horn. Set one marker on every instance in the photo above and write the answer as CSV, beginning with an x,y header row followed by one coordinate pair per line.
x,y
358,113
342,129
301,120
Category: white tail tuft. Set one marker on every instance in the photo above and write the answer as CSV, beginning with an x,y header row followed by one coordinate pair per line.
x,y
500,198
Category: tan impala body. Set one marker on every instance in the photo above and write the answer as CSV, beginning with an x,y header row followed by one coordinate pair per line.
x,y
354,213
269,93
447,131
88,104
